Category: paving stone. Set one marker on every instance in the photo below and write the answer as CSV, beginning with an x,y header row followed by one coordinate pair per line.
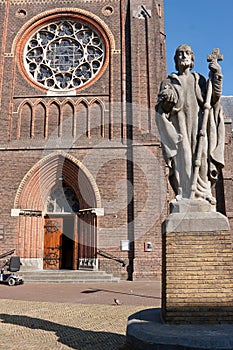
x,y
83,321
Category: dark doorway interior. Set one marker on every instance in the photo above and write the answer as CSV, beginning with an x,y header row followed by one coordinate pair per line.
x,y
68,243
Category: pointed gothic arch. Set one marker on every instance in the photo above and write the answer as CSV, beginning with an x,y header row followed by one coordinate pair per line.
x,y
96,117
68,121
41,177
82,118
53,119
39,119
36,187
25,120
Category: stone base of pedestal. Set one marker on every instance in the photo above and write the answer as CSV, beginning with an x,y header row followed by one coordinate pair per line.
x,y
197,276
146,331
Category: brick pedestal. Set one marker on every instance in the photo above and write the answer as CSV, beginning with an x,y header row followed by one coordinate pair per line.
x,y
197,279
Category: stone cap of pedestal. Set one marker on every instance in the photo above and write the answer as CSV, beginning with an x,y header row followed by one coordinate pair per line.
x,y
194,216
190,205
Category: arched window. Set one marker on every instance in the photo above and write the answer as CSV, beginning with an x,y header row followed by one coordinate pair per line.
x,y
62,200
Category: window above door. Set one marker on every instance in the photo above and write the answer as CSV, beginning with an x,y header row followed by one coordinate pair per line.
x,y
62,200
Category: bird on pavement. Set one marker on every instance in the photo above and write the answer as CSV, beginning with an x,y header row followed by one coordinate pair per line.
x,y
117,301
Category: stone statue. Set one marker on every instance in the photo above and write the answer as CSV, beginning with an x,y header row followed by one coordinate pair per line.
x,y
191,125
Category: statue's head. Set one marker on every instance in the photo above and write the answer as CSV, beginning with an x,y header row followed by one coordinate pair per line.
x,y
184,48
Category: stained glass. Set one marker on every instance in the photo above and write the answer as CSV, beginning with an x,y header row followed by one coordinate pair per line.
x,y
62,200
64,55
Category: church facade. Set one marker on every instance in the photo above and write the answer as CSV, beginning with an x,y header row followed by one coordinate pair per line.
x,y
84,185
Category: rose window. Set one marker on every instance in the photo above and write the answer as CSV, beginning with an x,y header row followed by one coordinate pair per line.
x,y
64,55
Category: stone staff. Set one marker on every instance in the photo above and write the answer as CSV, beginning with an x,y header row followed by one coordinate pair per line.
x,y
215,56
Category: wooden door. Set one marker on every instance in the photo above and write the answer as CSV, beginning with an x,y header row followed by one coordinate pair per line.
x,y
87,240
53,228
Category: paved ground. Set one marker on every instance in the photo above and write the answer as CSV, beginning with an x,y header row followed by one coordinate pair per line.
x,y
71,316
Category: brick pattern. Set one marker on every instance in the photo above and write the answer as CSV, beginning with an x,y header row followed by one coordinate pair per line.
x,y
118,106
197,277
75,119
91,127
114,267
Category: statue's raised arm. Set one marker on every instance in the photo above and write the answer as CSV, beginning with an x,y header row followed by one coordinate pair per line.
x,y
191,125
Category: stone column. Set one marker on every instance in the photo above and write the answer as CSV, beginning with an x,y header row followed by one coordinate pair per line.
x,y
197,276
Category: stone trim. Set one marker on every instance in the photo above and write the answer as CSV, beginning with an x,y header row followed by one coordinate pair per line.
x,y
45,16
195,222
38,167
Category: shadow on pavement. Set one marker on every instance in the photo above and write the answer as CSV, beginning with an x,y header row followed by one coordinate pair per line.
x,y
90,291
75,338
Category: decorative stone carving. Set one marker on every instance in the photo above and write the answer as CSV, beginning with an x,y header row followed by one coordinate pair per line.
x,y
191,125
64,54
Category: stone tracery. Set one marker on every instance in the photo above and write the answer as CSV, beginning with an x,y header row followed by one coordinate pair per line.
x,y
64,55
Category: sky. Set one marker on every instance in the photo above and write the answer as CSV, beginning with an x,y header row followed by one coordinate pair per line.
x,y
203,24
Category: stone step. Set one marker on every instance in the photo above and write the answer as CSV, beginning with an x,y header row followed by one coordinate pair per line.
x,y
67,276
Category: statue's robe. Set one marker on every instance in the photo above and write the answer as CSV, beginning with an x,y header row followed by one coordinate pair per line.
x,y
179,125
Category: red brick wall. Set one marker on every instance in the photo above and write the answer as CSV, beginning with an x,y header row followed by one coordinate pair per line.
x,y
122,154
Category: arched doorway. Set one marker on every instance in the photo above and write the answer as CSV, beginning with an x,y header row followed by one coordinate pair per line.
x,y
61,228
64,191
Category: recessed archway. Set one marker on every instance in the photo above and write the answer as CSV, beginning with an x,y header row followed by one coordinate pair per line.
x,y
56,169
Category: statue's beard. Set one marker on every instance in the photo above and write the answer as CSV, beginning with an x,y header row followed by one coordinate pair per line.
x,y
185,63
